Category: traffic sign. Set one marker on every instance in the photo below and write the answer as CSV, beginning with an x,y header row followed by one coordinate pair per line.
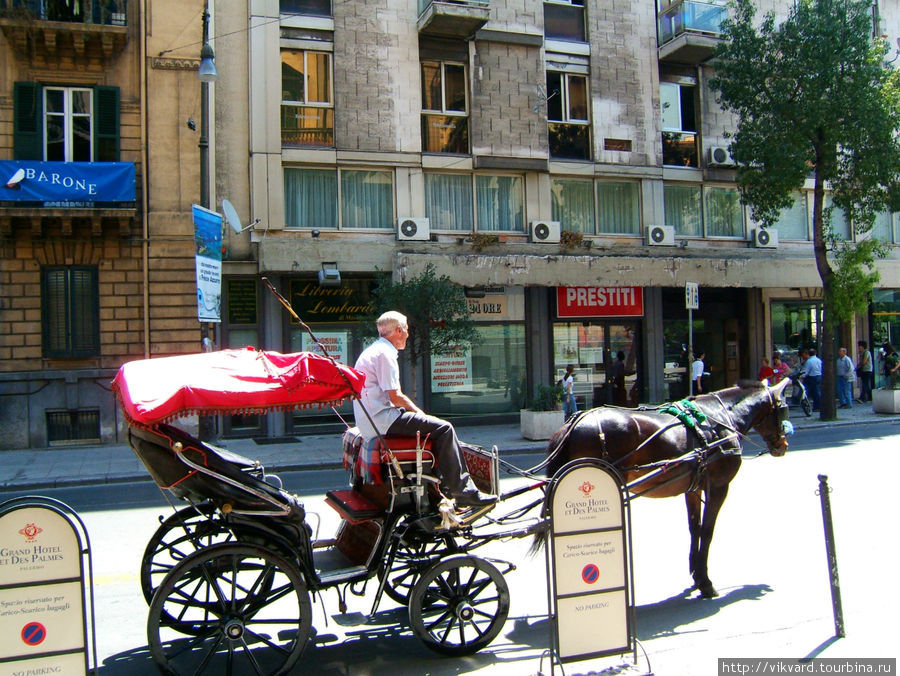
x,y
691,296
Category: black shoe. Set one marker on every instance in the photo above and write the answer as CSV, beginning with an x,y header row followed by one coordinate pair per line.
x,y
474,498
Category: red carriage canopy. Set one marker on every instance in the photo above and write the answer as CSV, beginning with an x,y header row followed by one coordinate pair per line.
x,y
243,381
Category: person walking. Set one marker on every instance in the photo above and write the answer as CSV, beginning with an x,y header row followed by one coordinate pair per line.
x,y
812,378
697,372
570,406
865,370
891,366
846,374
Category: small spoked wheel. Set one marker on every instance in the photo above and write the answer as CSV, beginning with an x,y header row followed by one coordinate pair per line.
x,y
806,405
410,559
459,605
238,610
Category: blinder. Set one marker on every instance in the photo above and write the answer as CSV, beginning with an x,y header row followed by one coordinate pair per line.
x,y
782,413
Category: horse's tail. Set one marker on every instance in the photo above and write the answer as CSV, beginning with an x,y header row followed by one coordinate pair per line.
x,y
540,537
554,461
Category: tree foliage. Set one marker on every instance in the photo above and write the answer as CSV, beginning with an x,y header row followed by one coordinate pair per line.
x,y
437,311
814,98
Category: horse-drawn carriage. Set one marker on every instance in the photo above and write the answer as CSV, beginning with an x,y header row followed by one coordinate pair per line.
x,y
229,577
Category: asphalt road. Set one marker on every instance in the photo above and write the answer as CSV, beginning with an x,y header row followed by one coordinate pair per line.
x,y
768,563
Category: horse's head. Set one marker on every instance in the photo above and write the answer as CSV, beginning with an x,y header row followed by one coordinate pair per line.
x,y
772,423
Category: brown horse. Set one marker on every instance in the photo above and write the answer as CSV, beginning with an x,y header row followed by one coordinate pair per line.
x,y
693,449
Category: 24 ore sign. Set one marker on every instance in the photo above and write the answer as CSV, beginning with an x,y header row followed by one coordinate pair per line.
x,y
43,627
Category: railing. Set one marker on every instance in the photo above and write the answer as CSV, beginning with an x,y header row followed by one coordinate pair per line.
x,y
691,17
480,4
101,12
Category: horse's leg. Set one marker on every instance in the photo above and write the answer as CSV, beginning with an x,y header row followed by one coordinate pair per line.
x,y
715,496
694,505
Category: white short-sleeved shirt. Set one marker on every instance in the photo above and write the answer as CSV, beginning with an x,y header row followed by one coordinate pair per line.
x,y
697,369
379,364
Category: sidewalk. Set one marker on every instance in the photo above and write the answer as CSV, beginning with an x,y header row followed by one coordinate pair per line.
x,y
80,465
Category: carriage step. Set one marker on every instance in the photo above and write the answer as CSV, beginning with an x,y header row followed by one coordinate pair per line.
x,y
353,506
333,577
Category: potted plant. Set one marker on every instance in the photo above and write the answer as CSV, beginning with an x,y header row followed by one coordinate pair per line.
x,y
886,399
544,414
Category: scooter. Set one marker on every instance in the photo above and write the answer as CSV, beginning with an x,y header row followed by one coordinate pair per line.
x,y
798,394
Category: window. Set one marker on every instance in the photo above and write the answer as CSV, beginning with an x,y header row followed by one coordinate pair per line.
x,y
619,207
70,317
65,124
307,102
682,209
883,228
679,125
793,222
311,7
567,114
312,196
572,204
499,202
724,215
445,121
840,224
564,20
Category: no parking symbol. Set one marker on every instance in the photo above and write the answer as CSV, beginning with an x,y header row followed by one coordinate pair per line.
x,y
34,633
590,573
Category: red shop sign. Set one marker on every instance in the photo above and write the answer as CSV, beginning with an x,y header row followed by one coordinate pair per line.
x,y
599,301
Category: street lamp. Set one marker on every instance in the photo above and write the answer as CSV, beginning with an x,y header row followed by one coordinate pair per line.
x,y
206,74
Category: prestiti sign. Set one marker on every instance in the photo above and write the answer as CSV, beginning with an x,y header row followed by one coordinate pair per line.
x,y
599,301
43,625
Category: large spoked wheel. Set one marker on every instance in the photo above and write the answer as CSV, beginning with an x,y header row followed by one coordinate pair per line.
x,y
238,609
178,536
459,605
410,559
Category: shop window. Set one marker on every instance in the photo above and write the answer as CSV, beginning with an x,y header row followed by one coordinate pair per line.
x,y
65,124
619,207
366,198
307,103
683,209
679,125
489,378
495,203
310,7
724,215
70,319
445,120
795,326
567,115
564,20
572,204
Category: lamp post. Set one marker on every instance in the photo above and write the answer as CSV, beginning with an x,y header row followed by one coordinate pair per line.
x,y
206,74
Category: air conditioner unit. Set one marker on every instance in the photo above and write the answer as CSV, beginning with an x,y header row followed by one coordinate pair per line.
x,y
545,232
660,235
765,238
720,157
413,229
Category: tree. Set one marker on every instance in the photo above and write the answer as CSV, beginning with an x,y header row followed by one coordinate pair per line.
x,y
437,311
813,95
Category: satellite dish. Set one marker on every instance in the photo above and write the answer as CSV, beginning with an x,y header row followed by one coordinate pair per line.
x,y
14,180
232,217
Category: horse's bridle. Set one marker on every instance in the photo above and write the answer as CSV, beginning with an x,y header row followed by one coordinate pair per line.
x,y
785,428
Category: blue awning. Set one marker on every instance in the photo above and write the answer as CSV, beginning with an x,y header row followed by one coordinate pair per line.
x,y
67,184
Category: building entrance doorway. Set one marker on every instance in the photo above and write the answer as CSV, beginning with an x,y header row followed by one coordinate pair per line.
x,y
605,354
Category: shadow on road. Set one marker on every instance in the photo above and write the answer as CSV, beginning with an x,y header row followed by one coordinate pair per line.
x,y
663,618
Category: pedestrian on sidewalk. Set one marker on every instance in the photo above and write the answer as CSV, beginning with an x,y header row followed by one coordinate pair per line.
x,y
570,407
846,374
865,370
812,377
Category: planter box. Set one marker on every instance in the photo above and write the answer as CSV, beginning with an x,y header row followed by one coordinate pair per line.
x,y
538,425
886,401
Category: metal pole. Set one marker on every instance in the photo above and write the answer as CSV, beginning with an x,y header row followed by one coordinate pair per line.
x,y
690,355
832,557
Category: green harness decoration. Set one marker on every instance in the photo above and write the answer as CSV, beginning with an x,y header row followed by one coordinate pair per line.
x,y
686,411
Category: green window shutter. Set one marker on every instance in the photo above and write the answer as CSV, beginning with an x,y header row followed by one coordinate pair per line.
x,y
106,124
27,121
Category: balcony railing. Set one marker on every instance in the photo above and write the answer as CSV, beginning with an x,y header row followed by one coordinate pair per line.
x,y
691,17
99,12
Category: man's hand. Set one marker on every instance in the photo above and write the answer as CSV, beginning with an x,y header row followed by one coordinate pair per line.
x,y
400,400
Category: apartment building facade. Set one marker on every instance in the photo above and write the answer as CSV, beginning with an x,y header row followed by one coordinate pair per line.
x,y
564,161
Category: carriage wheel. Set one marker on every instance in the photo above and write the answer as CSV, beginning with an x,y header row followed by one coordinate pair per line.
x,y
459,605
239,610
181,534
410,559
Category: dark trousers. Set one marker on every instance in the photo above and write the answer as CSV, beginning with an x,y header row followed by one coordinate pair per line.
x,y
814,390
866,383
444,444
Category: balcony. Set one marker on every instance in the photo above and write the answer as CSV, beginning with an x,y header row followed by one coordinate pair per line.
x,y
48,29
689,31
452,18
